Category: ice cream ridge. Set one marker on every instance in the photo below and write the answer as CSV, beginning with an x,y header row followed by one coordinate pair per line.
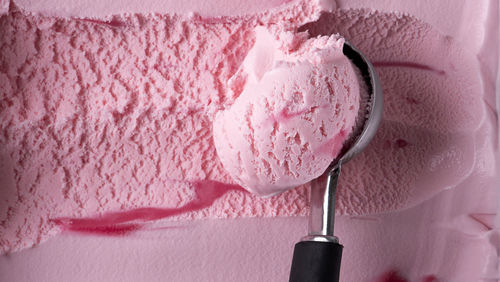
x,y
295,106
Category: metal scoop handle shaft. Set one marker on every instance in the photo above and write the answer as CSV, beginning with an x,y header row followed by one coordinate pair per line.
x,y
322,213
318,255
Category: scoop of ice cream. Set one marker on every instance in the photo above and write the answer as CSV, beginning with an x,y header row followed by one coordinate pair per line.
x,y
295,109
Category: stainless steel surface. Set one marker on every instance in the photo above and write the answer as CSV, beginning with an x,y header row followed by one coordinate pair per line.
x,y
323,204
374,111
323,189
320,238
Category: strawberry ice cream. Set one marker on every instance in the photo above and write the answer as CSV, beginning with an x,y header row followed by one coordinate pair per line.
x,y
295,110
109,116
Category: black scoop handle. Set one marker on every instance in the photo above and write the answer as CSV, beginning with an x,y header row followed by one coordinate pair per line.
x,y
316,262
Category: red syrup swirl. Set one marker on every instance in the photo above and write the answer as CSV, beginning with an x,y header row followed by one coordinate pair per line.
x,y
408,65
125,222
111,23
394,276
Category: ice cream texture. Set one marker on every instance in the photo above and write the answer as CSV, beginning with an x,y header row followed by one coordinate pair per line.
x,y
115,115
106,128
296,106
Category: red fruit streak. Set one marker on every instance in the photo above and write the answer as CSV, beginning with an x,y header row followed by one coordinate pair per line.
x,y
391,276
112,23
119,223
408,65
109,230
285,114
430,278
486,219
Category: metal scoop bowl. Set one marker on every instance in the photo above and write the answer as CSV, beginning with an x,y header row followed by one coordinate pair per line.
x,y
318,255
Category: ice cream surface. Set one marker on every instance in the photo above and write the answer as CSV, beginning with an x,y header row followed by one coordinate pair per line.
x,y
106,118
114,115
295,109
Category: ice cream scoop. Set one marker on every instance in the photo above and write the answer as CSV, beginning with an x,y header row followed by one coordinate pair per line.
x,y
318,255
297,103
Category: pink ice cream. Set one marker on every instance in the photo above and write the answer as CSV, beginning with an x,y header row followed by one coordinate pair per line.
x,y
106,117
116,114
294,110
